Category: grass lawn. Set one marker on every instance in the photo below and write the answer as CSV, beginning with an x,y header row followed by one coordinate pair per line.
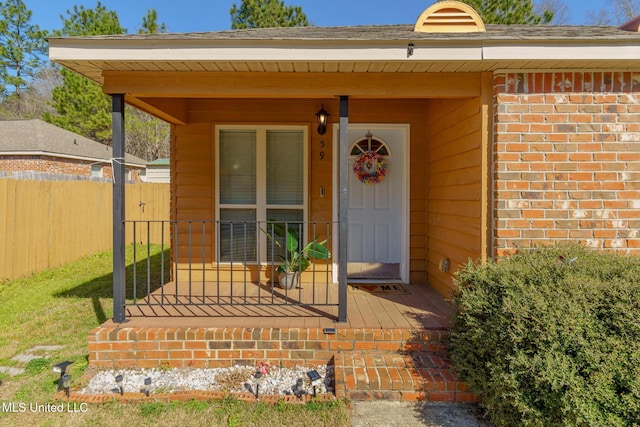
x,y
59,307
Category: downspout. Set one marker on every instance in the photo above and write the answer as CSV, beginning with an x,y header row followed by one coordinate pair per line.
x,y
119,282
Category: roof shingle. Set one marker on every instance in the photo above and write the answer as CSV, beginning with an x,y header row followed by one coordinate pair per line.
x,y
38,136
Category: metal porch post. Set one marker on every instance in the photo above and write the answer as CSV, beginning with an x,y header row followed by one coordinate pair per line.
x,y
117,118
343,205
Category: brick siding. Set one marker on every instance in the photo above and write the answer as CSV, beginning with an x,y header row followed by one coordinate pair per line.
x,y
57,165
567,160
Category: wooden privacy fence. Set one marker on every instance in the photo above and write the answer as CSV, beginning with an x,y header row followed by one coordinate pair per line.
x,y
45,224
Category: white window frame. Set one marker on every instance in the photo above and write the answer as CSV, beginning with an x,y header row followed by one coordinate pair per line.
x,y
96,170
261,205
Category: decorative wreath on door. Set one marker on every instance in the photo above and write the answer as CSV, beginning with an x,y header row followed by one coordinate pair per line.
x,y
370,167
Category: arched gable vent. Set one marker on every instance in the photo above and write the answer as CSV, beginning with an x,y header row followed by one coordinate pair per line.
x,y
449,17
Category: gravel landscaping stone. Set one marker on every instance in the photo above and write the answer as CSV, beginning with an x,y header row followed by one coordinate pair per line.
x,y
236,379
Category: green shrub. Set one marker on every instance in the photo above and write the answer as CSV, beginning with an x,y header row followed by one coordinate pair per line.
x,y
551,337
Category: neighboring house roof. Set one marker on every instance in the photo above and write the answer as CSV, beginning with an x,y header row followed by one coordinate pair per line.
x,y
159,163
158,171
36,137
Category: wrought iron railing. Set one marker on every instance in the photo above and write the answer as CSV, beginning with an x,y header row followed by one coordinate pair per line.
x,y
227,263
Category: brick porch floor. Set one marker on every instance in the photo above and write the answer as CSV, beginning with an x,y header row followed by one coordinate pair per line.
x,y
391,347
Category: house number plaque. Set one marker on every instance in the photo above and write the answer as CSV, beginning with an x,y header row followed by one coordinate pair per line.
x,y
322,151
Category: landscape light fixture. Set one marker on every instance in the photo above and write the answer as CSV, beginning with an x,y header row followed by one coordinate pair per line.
x,y
119,383
298,388
61,368
147,386
257,376
322,120
315,378
66,380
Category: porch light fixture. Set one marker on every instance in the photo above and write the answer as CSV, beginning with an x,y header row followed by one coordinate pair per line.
x,y
119,383
61,368
322,120
66,380
147,386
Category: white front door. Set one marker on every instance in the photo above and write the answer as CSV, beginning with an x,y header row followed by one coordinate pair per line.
x,y
377,217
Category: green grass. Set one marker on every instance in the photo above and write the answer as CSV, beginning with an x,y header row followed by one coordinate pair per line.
x,y
59,307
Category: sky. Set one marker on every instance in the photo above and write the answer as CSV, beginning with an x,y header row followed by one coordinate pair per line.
x,y
213,15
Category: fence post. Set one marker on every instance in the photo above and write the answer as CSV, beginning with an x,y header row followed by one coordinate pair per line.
x,y
118,169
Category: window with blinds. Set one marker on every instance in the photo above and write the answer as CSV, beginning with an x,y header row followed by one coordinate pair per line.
x,y
261,177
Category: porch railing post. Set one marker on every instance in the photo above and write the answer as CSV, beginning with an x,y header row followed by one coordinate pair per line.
x,y
118,169
343,205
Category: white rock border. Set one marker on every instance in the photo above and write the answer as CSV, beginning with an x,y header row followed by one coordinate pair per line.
x,y
279,381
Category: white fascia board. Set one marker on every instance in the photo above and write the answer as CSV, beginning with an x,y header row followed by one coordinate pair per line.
x,y
354,51
283,52
548,52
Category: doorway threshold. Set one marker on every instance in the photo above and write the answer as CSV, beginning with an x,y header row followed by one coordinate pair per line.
x,y
373,271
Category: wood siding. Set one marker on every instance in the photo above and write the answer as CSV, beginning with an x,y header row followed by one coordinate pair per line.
x,y
192,198
455,187
193,162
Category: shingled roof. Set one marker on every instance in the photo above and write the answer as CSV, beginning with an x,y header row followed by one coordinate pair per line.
x,y
38,137
391,33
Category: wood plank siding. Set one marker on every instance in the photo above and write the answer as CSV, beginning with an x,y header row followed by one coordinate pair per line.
x,y
445,171
193,162
455,186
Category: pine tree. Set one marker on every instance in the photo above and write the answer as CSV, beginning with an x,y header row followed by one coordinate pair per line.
x,y
22,46
150,24
509,12
80,105
266,14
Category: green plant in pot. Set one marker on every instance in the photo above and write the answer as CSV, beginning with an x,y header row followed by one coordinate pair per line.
x,y
296,259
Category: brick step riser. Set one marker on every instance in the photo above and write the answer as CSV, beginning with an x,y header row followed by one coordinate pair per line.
x,y
122,347
386,376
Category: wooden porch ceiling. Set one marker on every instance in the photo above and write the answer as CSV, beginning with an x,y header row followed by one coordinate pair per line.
x,y
95,69
165,94
284,85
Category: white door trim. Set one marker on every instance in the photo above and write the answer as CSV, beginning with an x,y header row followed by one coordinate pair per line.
x,y
405,128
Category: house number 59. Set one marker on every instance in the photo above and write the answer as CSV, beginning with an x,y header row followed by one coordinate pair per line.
x,y
322,152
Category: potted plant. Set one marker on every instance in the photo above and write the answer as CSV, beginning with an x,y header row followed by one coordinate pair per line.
x,y
296,259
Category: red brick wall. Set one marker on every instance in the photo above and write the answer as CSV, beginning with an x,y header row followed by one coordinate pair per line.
x,y
567,160
56,165
116,347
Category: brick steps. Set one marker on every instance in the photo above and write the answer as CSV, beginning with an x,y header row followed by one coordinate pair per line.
x,y
371,363
414,376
